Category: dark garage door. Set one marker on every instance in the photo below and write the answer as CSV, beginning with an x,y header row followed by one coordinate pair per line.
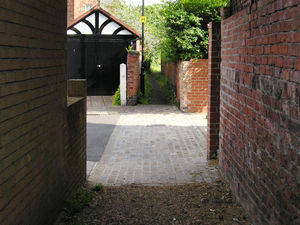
x,y
98,61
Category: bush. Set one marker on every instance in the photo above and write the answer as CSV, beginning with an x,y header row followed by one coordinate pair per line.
x,y
117,97
185,25
169,90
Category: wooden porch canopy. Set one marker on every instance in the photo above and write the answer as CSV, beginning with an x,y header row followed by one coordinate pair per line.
x,y
98,21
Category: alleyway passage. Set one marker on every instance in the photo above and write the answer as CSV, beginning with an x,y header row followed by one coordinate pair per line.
x,y
157,95
146,144
151,160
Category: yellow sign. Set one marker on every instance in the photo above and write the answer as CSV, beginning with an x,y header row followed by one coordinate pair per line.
x,y
143,19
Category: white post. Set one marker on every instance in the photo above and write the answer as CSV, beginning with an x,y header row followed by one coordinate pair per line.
x,y
123,83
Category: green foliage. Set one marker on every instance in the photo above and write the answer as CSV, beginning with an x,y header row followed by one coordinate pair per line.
x,y
130,48
80,199
169,90
153,31
153,27
117,97
185,33
155,67
146,99
176,29
98,187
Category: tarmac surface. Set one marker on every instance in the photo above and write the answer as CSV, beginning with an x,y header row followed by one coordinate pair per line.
x,y
145,144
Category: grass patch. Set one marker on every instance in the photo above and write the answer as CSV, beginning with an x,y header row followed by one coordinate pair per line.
x,y
169,90
80,199
98,187
146,99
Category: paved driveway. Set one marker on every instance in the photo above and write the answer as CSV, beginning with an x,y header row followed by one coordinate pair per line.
x,y
146,144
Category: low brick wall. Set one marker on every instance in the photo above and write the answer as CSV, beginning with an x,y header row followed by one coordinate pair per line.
x,y
191,81
75,146
133,76
193,86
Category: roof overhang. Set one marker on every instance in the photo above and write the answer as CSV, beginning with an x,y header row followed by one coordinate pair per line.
x,y
98,21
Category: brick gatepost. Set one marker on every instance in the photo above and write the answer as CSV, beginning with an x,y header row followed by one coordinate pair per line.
x,y
133,76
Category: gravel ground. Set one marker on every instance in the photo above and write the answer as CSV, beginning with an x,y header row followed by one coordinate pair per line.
x,y
202,203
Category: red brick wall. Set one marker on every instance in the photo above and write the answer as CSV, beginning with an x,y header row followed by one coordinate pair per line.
x,y
170,71
213,115
133,77
33,112
191,81
260,112
79,6
238,5
70,11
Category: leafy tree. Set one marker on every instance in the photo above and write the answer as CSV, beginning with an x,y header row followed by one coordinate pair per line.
x,y
131,15
185,22
177,29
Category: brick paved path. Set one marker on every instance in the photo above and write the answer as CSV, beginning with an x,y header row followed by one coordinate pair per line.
x,y
153,144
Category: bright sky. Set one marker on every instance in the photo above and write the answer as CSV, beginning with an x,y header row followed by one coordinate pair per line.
x,y
139,2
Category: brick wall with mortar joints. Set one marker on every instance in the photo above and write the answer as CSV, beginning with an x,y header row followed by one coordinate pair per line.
x,y
32,111
213,116
70,11
259,131
79,6
171,71
191,81
133,77
197,95
238,5
75,145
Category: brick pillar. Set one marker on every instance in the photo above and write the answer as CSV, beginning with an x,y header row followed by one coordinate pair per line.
x,y
213,117
133,77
